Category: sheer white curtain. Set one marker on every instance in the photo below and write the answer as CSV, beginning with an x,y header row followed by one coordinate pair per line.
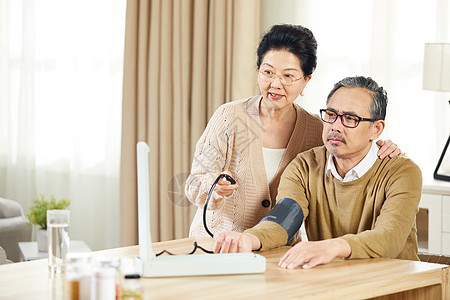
x,y
383,39
60,109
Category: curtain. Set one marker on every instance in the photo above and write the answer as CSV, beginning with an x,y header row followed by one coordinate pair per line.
x,y
383,39
60,103
183,58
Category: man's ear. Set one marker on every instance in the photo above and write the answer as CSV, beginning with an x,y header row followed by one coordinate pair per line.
x,y
377,129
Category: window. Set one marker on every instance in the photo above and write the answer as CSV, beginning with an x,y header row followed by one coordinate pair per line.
x,y
60,104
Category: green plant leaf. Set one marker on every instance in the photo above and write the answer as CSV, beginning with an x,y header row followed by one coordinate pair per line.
x,y
38,212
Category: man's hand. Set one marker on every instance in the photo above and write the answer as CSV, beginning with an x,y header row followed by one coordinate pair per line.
x,y
388,148
311,254
235,242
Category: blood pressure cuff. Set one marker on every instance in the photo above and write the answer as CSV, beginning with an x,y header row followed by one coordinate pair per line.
x,y
288,214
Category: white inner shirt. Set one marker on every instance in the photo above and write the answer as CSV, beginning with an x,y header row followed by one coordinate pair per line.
x,y
359,170
272,159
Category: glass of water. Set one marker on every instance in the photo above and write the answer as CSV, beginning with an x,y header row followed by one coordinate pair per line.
x,y
58,221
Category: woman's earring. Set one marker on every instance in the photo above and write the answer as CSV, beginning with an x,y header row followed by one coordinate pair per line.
x,y
301,94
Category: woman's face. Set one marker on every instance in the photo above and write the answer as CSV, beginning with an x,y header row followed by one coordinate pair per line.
x,y
285,65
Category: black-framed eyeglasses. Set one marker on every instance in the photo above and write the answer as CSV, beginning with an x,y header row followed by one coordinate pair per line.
x,y
348,120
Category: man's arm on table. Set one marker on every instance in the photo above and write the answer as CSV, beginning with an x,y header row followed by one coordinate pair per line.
x,y
270,234
305,254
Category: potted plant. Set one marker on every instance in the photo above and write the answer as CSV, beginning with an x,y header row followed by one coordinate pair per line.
x,y
38,217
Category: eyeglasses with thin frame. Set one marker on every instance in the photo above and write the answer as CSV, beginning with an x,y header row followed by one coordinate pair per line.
x,y
348,120
286,79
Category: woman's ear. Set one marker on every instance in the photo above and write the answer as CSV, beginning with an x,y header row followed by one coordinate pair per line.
x,y
307,78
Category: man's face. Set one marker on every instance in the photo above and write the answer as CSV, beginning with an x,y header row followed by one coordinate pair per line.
x,y
350,143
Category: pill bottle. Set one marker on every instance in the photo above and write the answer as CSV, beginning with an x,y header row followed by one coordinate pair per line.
x,y
114,263
103,284
132,287
78,276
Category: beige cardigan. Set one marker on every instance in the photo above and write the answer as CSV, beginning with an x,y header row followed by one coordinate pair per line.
x,y
232,141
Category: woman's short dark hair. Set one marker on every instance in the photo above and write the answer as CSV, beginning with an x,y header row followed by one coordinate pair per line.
x,y
296,39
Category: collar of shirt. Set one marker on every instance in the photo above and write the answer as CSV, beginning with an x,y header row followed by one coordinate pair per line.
x,y
357,171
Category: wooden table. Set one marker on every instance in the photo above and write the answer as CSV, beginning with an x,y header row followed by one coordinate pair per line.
x,y
341,279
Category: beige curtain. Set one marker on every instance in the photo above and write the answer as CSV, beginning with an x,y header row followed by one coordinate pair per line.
x,y
183,58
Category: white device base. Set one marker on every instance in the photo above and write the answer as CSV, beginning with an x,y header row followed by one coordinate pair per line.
x,y
203,264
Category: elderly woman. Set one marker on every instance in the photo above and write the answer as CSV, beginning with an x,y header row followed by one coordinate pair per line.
x,y
254,139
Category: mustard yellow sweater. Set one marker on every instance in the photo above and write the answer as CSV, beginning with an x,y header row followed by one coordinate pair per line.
x,y
232,141
375,214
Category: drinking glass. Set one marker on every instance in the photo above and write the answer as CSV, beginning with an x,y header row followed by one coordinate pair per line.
x,y
58,221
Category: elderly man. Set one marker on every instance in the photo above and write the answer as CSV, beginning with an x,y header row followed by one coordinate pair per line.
x,y
354,204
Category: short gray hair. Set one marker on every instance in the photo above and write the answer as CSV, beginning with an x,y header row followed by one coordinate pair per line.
x,y
379,95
